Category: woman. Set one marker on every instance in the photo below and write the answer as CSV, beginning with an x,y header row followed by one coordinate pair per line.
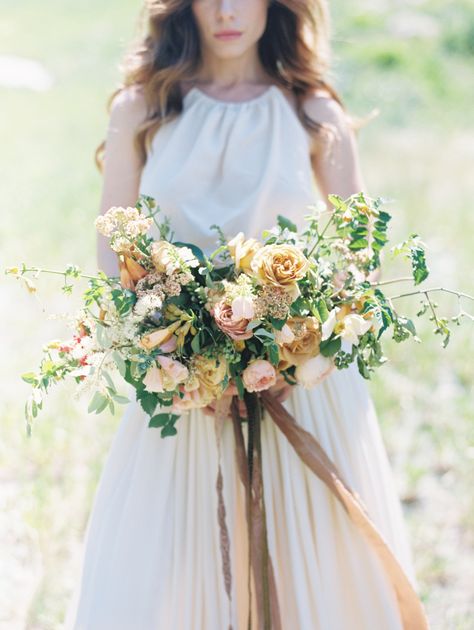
x,y
225,118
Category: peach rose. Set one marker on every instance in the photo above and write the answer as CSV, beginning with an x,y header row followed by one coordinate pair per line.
x,y
153,380
243,251
191,400
304,344
174,372
281,266
259,375
224,319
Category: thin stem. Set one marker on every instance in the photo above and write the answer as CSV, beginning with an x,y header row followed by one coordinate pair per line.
x,y
60,273
432,309
320,236
391,281
458,293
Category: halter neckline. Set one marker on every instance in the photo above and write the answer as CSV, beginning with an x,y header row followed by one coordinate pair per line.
x,y
250,101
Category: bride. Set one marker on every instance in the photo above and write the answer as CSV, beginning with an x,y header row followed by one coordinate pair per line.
x,y
225,118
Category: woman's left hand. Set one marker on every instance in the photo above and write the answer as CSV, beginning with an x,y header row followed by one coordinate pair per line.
x,y
281,390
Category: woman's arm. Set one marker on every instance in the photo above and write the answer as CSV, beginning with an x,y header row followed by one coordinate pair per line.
x,y
336,163
121,174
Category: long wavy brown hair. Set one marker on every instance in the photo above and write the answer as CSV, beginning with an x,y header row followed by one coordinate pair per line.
x,y
294,51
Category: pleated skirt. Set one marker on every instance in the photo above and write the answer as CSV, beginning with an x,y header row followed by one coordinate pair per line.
x,y
151,554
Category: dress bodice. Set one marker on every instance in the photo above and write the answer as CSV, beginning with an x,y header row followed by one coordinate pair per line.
x,y
234,164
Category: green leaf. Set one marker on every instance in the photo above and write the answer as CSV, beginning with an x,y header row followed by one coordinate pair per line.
x,y
277,323
148,401
273,354
102,336
363,369
122,400
109,380
195,343
29,377
336,201
358,243
418,263
96,400
261,333
322,310
329,347
161,420
119,362
283,222
103,405
253,324
168,430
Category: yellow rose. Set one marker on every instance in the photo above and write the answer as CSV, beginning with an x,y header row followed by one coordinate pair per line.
x,y
305,342
280,266
210,375
243,251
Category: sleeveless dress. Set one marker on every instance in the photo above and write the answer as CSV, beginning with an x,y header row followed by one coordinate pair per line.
x,y
151,557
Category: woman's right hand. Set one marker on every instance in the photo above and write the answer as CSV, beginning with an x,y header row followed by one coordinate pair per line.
x,y
231,390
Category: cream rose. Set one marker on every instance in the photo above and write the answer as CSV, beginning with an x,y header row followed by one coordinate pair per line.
x,y
314,370
259,375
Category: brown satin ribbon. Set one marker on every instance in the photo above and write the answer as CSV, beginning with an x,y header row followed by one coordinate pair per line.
x,y
309,450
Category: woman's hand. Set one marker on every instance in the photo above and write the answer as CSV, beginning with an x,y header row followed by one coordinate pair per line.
x,y
231,390
281,390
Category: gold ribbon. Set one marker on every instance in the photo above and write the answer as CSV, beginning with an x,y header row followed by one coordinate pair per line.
x,y
309,450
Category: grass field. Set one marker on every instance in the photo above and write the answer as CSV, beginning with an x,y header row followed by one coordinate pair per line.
x,y
414,62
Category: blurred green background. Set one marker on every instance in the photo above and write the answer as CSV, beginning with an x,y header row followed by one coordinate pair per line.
x,y
414,61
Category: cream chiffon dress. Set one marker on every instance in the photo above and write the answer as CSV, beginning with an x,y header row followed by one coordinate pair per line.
x,y
151,557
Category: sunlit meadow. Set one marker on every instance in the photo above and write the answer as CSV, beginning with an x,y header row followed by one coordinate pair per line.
x,y
411,60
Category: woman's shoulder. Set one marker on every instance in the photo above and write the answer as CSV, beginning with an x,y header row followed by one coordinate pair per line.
x,y
322,107
128,106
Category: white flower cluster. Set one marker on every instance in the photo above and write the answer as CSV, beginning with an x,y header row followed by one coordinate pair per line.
x,y
128,222
147,304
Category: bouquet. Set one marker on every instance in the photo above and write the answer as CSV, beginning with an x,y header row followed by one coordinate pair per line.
x,y
181,327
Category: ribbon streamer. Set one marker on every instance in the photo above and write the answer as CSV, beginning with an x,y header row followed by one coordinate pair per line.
x,y
309,450
221,412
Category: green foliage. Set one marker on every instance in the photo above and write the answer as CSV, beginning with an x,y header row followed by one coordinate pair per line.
x,y
166,422
413,249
